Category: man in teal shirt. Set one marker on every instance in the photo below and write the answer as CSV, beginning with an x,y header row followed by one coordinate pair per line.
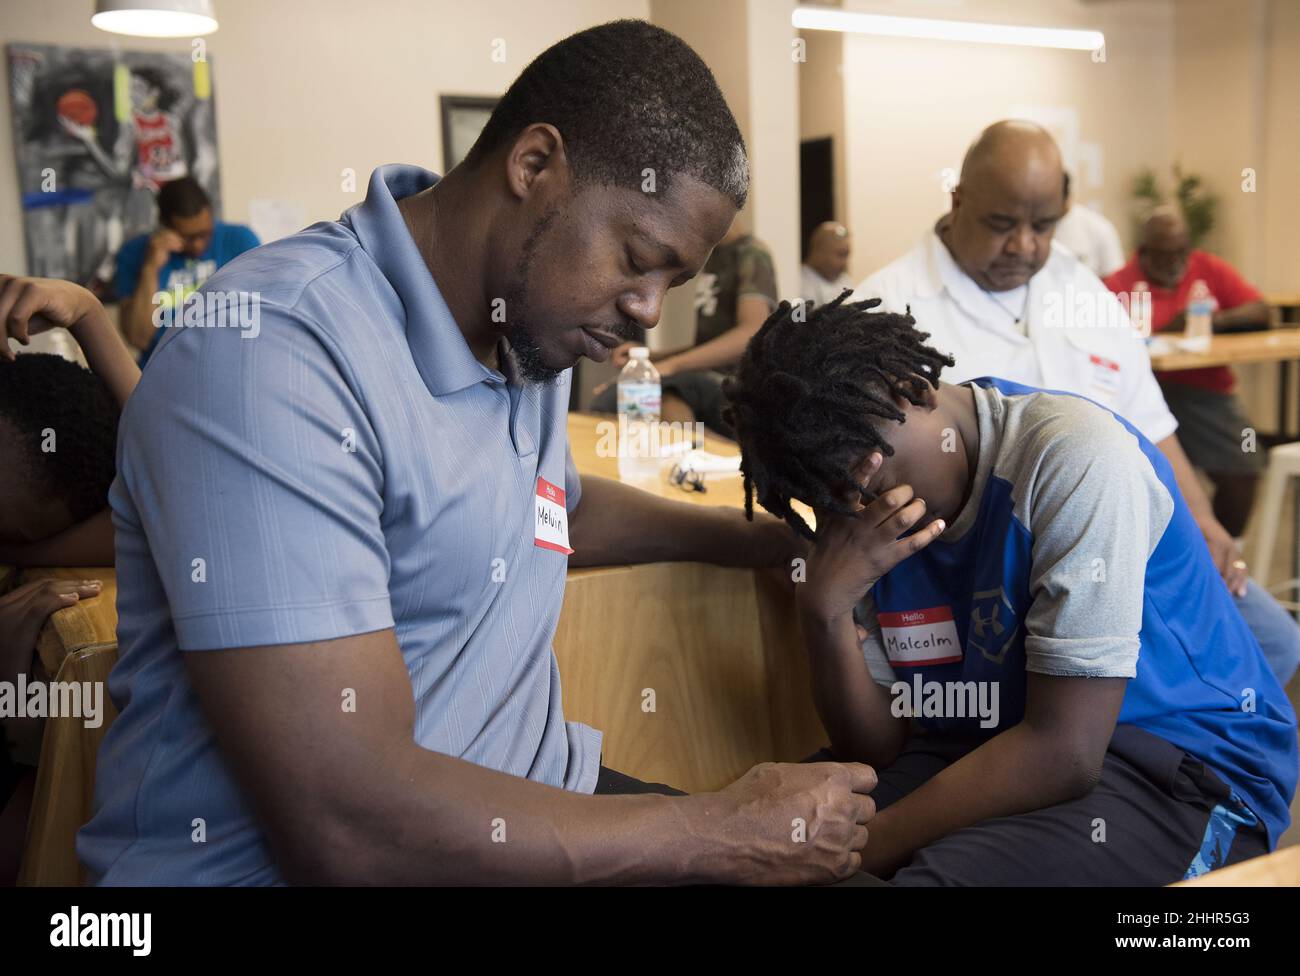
x,y
156,272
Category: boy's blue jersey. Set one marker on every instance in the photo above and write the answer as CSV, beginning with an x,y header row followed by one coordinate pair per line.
x,y
960,610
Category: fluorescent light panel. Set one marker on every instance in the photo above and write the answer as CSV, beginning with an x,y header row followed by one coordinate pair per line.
x,y
153,23
816,18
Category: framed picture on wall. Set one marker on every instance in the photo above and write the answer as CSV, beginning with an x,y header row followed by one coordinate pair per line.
x,y
463,118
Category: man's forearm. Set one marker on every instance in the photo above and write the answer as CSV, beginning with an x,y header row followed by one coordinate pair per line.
x,y
426,818
616,524
719,352
854,709
1185,475
1017,771
1252,313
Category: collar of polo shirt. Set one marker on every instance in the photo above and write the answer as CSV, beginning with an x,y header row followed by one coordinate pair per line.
x,y
438,347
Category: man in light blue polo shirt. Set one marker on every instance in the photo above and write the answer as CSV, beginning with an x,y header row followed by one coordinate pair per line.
x,y
343,531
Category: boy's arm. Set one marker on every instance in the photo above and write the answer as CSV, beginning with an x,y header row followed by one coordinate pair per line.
x,y
106,353
88,543
29,306
851,553
853,707
1052,756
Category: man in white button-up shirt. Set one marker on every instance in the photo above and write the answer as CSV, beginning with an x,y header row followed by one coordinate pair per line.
x,y
990,288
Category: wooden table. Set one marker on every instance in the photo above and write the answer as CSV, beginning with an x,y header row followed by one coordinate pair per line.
x,y
1270,346
715,651
590,433
1281,345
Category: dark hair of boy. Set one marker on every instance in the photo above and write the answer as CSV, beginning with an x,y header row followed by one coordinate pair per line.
x,y
40,393
803,395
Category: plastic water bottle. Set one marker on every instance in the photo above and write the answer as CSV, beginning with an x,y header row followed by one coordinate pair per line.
x,y
1200,317
639,394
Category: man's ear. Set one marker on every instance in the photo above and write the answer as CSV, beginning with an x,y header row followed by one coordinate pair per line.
x,y
536,157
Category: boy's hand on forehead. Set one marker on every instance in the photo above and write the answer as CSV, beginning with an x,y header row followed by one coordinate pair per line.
x,y
852,552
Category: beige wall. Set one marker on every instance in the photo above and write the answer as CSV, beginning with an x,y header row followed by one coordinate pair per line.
x,y
1281,218
305,88
912,107
1238,84
774,135
1219,66
821,104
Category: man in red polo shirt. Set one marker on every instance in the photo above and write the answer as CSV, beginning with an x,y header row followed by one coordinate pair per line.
x,y
1210,417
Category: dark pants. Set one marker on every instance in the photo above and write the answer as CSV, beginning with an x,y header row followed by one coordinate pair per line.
x,y
611,781
1157,816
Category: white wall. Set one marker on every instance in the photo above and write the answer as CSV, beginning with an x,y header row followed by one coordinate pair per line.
x,y
774,136
912,107
305,88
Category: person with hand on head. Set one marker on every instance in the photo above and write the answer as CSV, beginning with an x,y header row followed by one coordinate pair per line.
x,y
1008,553
996,294
58,426
339,551
159,271
825,274
56,513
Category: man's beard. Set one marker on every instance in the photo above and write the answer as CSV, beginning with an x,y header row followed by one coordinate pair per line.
x,y
528,354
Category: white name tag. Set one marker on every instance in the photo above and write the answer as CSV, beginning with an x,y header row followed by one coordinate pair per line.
x,y
1105,374
552,523
914,638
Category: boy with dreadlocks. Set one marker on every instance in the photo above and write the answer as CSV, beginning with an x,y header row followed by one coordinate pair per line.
x,y
1047,673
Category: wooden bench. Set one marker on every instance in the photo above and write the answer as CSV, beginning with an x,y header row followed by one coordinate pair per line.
x,y
89,623
65,779
1281,869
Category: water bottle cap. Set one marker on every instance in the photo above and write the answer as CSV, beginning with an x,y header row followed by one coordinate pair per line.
x,y
639,352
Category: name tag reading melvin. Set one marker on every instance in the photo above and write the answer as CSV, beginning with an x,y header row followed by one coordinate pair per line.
x,y
914,638
552,522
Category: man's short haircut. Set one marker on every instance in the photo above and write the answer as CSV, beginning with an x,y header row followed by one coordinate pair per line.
x,y
627,97
181,198
805,399
40,393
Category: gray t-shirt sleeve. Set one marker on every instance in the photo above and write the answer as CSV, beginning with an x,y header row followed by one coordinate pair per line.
x,y
873,650
258,482
1096,510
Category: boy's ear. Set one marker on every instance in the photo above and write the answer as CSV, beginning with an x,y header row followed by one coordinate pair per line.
x,y
929,399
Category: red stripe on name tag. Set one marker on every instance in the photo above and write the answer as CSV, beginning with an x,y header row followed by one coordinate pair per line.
x,y
547,490
913,618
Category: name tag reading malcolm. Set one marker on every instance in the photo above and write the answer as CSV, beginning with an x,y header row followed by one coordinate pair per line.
x,y
552,523
914,638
